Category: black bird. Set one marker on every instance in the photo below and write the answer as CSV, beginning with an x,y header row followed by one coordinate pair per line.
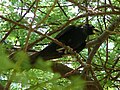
x,y
73,36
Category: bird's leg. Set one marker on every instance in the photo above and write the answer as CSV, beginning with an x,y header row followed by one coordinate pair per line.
x,y
69,49
60,50
66,51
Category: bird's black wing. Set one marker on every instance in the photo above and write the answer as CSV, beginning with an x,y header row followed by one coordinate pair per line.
x,y
65,32
51,51
74,37
71,36
80,47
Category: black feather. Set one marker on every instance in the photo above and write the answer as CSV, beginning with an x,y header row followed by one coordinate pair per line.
x,y
73,36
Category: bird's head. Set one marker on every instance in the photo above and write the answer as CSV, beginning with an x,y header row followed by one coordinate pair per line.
x,y
90,29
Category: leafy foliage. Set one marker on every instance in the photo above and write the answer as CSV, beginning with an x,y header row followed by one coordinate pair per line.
x,y
21,25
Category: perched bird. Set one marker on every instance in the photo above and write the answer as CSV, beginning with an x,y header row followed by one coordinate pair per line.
x,y
73,36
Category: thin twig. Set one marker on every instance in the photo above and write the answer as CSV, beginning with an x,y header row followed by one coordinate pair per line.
x,y
30,30
95,79
62,10
7,34
47,15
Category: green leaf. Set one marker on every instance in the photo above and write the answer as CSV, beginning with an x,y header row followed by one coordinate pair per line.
x,y
5,63
22,61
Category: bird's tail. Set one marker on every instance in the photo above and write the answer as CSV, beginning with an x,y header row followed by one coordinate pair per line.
x,y
45,54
